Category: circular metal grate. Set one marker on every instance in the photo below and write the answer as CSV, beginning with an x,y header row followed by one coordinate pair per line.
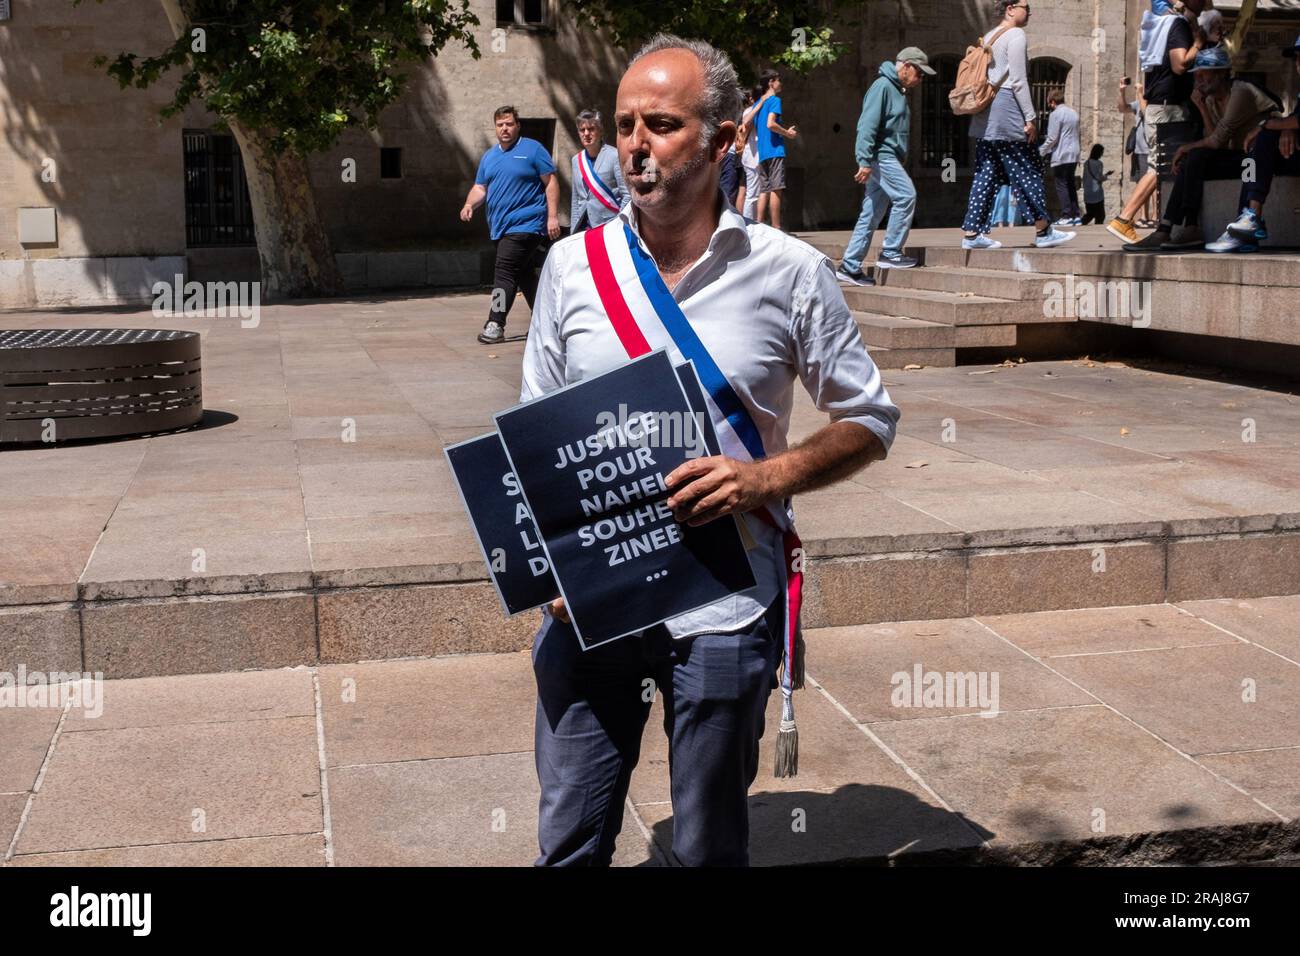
x,y
62,338
57,384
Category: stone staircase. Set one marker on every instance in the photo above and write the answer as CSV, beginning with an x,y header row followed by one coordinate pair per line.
x,y
1232,310
924,316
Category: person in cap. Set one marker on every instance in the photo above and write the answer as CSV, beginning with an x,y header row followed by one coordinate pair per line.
x,y
1230,110
756,310
1272,145
881,151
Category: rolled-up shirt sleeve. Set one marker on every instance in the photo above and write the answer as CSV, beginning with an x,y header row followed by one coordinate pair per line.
x,y
832,361
543,368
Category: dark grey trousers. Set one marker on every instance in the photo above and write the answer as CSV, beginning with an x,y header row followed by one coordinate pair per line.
x,y
591,711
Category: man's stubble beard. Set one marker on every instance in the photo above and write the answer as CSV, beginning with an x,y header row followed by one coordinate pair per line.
x,y
669,185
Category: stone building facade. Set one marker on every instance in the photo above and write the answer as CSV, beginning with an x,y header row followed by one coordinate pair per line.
x,y
131,198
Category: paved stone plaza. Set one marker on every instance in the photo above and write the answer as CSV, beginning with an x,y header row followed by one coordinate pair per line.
x,y
1128,719
1166,503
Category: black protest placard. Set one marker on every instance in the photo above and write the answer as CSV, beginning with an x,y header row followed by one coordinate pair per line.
x,y
516,561
690,381
591,460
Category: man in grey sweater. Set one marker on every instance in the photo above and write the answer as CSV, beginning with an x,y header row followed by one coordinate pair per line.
x,y
1062,145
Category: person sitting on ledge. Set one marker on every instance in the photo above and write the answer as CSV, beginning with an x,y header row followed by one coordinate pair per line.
x,y
1272,145
1230,108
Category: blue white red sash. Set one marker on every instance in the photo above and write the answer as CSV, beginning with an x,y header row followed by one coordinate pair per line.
x,y
595,185
645,316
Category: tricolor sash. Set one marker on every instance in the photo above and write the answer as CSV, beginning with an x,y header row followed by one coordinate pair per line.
x,y
595,185
645,316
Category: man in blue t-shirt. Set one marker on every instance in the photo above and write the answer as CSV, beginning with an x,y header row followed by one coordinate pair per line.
x,y
771,147
517,179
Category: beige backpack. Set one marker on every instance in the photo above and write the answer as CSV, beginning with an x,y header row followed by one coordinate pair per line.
x,y
973,92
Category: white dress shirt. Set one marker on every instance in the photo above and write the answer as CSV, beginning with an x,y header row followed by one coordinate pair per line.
x,y
769,310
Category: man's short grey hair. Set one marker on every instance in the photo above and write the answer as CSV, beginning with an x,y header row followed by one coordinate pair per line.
x,y
590,116
722,98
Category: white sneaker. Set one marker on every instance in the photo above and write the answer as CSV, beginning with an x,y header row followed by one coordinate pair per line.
x,y
1230,243
1053,238
493,333
1064,221
1249,226
980,242
853,278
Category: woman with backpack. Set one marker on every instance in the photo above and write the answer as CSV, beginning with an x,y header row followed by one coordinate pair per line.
x,y
1005,128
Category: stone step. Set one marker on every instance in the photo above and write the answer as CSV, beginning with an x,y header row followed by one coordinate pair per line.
x,y
900,332
1087,256
1114,264
268,621
993,283
900,358
942,307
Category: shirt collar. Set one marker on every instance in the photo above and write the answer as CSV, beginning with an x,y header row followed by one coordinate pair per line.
x,y
731,225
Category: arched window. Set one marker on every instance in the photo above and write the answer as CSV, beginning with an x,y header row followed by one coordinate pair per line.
x,y
1046,74
943,135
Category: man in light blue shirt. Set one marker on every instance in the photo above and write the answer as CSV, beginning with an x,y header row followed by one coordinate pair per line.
x,y
1062,146
597,179
516,179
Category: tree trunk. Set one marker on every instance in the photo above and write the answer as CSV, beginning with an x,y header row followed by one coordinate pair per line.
x,y
1245,18
291,240
292,244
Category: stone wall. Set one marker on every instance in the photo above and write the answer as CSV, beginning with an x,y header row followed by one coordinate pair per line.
x,y
116,171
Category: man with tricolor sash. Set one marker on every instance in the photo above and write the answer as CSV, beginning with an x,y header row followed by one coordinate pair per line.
x,y
754,309
598,191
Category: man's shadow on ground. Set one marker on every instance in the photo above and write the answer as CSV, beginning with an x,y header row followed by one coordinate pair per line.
x,y
856,823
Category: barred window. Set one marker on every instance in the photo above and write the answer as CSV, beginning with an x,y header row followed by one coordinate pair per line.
x,y
217,208
943,135
1046,74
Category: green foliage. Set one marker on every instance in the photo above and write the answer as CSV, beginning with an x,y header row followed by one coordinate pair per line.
x,y
302,72
299,72
811,50
794,33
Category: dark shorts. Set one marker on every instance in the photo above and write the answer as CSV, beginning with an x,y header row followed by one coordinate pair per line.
x,y
771,175
1138,166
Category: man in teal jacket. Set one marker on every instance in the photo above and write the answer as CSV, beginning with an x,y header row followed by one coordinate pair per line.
x,y
881,150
